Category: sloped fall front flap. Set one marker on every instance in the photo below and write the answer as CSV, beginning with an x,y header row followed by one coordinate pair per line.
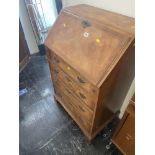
x,y
89,46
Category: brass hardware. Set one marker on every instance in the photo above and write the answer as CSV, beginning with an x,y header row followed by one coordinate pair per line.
x,y
68,68
80,80
82,96
128,137
98,40
85,23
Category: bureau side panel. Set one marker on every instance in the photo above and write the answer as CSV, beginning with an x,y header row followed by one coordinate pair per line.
x,y
114,90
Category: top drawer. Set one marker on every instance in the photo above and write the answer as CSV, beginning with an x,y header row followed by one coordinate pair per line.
x,y
74,75
89,99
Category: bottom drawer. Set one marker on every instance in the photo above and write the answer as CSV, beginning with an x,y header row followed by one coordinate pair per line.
x,y
67,102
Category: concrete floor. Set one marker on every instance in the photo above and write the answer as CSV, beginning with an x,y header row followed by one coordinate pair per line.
x,y
45,128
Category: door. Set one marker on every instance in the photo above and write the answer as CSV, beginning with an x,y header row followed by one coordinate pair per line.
x,y
24,54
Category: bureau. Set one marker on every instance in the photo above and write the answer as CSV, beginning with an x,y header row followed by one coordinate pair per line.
x,y
91,58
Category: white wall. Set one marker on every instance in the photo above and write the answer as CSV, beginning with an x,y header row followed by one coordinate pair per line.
x,y
127,99
27,28
125,7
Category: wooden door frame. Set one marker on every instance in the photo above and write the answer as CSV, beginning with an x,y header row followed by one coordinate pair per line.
x,y
25,61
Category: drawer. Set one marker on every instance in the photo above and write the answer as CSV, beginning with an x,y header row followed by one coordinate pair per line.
x,y
126,143
89,99
74,75
129,126
125,138
82,116
82,110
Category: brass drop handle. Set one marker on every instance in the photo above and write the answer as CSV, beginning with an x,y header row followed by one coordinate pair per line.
x,y
128,137
85,23
80,80
82,96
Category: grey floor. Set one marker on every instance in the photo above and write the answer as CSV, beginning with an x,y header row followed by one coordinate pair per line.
x,y
44,126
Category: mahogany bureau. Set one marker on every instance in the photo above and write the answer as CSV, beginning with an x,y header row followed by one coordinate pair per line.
x,y
91,57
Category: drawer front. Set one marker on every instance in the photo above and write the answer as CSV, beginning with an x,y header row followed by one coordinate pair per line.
x,y
126,143
82,116
84,96
80,108
129,126
74,75
125,138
